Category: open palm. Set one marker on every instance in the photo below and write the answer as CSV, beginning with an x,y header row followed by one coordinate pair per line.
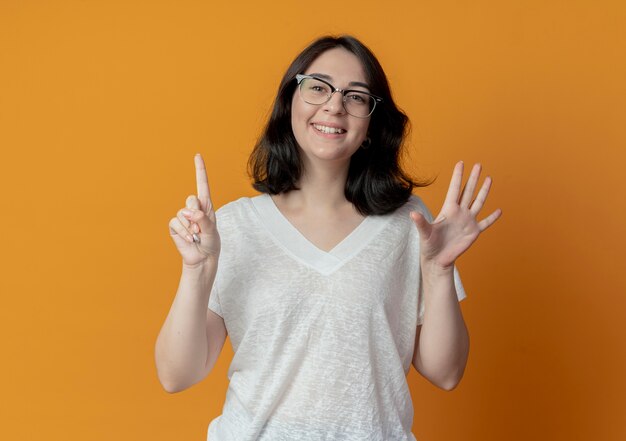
x,y
456,226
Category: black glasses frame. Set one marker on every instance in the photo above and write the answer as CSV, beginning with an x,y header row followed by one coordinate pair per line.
x,y
300,78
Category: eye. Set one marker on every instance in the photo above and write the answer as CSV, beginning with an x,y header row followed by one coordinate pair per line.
x,y
317,87
358,98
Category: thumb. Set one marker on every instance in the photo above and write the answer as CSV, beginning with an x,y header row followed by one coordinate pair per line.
x,y
423,226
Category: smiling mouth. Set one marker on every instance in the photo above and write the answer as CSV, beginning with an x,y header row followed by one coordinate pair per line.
x,y
326,129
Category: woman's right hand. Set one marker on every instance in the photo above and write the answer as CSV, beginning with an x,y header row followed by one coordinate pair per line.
x,y
197,217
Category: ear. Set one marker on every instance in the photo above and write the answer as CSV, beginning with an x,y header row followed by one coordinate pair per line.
x,y
367,142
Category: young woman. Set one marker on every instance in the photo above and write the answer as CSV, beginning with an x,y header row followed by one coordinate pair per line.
x,y
332,282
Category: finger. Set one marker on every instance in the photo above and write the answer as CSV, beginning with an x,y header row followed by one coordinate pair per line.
x,y
200,219
468,191
478,203
202,184
177,229
192,202
183,220
423,226
455,184
489,220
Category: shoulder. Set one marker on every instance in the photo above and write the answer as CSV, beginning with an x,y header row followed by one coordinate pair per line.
x,y
235,208
243,214
398,225
401,223
232,214
414,203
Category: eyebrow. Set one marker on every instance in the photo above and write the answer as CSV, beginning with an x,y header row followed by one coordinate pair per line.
x,y
329,78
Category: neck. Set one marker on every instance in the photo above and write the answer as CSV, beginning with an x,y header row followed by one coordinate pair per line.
x,y
321,188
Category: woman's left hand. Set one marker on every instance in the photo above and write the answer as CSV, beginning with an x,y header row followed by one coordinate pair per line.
x,y
456,227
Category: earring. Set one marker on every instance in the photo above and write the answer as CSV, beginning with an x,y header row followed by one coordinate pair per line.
x,y
367,143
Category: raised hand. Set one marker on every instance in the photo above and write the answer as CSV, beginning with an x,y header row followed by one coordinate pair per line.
x,y
194,228
456,227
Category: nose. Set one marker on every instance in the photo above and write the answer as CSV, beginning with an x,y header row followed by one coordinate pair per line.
x,y
335,103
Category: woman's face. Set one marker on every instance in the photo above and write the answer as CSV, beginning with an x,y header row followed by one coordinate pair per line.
x,y
311,124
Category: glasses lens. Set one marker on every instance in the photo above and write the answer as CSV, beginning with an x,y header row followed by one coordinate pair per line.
x,y
359,104
314,91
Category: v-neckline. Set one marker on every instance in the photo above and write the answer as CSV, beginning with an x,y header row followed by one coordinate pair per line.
x,y
298,246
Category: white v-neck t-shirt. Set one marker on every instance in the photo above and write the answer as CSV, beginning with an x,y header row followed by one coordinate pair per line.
x,y
322,341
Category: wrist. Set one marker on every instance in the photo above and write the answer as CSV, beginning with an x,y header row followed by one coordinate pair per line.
x,y
432,269
437,280
200,267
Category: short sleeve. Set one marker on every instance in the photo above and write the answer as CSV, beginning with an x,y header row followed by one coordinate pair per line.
x,y
458,285
223,219
214,300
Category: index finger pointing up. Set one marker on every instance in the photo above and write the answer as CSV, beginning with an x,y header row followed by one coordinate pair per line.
x,y
202,184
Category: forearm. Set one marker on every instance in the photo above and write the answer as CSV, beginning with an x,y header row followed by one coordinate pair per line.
x,y
182,345
443,345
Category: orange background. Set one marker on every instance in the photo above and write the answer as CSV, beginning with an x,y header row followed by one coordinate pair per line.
x,y
103,104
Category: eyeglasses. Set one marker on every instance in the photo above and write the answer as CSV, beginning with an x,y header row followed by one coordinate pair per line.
x,y
316,91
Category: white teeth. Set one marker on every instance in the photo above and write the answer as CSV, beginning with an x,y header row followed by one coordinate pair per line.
x,y
326,129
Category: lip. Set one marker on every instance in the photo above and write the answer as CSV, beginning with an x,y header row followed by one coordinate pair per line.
x,y
328,135
329,124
